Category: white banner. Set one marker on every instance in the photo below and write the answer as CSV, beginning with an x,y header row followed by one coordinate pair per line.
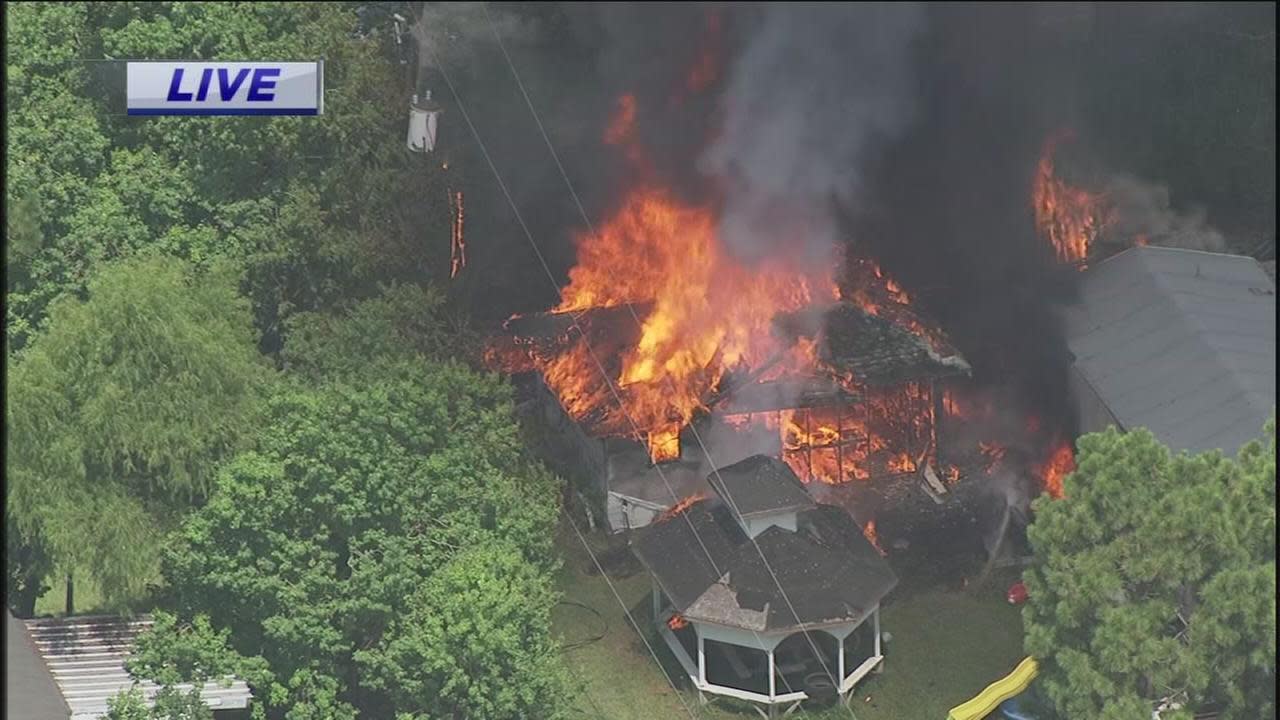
x,y
225,88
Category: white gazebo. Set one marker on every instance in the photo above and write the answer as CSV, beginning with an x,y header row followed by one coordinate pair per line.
x,y
764,595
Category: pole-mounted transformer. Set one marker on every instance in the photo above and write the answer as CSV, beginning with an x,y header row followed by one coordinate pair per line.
x,y
424,119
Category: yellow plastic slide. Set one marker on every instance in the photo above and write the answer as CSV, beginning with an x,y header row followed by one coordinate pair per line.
x,y
997,692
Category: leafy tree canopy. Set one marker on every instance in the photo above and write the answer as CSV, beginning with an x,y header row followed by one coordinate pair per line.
x,y
406,321
386,549
119,411
1155,580
312,208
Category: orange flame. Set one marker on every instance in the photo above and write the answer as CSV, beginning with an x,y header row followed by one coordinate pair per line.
x,y
886,433
1060,463
706,68
993,454
621,133
873,290
622,127
1070,218
869,531
681,506
664,444
457,241
710,313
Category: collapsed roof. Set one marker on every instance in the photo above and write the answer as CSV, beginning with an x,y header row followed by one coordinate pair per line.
x,y
823,572
855,348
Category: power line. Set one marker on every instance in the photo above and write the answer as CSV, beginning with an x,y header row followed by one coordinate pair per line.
x,y
502,185
715,469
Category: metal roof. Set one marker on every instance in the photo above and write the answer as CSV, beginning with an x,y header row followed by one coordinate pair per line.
x,y
86,656
1180,342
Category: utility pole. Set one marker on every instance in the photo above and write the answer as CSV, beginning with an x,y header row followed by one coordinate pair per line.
x,y
425,110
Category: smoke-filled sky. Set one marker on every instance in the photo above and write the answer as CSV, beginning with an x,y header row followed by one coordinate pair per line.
x,y
909,131
811,93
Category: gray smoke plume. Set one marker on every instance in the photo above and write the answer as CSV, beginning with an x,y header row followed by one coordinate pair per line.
x,y
457,33
1142,210
813,89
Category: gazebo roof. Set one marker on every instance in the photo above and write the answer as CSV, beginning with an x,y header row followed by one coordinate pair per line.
x,y
760,485
824,572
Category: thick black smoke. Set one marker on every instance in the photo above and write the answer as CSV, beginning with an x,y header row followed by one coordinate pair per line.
x,y
910,135
949,211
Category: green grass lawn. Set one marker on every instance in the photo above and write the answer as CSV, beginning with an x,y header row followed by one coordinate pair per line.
x,y
947,645
88,600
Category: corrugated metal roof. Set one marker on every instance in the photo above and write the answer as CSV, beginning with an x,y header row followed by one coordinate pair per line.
x,y
86,656
1180,342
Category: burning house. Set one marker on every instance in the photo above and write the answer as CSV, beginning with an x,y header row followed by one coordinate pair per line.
x,y
838,391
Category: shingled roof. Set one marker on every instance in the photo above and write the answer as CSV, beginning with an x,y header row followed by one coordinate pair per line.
x,y
1180,342
879,352
760,485
825,571
29,689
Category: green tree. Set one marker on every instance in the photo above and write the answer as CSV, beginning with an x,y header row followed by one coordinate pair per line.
x,y
375,495
313,208
1155,580
406,320
476,623
27,566
171,653
118,412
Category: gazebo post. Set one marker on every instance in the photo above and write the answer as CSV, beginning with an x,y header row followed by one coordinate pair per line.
x,y
702,657
875,625
657,601
840,662
772,681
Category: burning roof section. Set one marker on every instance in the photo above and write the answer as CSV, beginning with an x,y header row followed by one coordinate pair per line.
x,y
823,572
831,351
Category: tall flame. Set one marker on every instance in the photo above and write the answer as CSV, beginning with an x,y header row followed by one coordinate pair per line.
x,y
1068,217
710,313
1060,463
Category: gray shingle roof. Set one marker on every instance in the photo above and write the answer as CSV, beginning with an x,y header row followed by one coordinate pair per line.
x,y
824,572
1180,342
29,690
760,485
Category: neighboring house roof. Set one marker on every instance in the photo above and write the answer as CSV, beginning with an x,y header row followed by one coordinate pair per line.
x,y
823,572
29,689
1180,342
86,656
760,485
